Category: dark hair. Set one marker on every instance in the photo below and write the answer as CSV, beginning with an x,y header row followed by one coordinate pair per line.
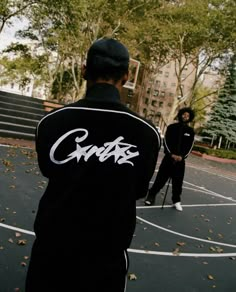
x,y
107,59
186,110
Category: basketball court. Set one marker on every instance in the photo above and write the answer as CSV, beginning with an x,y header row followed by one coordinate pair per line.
x,y
193,250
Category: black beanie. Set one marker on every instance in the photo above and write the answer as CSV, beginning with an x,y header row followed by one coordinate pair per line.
x,y
112,50
107,58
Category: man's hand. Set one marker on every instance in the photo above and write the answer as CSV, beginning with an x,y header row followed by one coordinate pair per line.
x,y
176,158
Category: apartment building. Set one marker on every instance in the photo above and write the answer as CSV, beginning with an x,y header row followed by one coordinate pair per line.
x,y
160,89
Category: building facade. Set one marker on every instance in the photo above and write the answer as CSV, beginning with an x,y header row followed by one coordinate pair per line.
x,y
158,91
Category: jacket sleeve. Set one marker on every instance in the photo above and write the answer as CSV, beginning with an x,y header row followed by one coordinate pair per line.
x,y
168,141
42,136
149,169
187,147
40,149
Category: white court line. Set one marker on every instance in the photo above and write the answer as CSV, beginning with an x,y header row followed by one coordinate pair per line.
x,y
160,253
210,192
137,207
183,254
206,191
184,235
233,178
155,252
8,146
187,206
198,189
17,229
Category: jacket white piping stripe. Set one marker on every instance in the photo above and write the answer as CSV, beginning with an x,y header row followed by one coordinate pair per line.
x,y
126,261
189,150
101,110
166,145
185,155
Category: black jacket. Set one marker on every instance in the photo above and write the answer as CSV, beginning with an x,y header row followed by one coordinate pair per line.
x,y
99,158
179,140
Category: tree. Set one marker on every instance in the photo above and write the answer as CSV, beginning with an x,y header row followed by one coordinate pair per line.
x,y
23,67
196,32
12,8
203,99
62,31
222,122
155,32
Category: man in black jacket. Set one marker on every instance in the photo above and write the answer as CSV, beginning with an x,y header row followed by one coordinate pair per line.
x,y
178,143
99,158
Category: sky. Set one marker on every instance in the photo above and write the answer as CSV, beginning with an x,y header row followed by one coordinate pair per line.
x,y
8,34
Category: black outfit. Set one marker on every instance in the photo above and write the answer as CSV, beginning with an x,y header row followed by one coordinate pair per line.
x,y
99,158
178,140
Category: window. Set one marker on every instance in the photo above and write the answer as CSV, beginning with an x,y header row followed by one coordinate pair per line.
x,y
155,92
148,90
12,85
154,102
146,101
161,104
163,94
164,84
130,93
166,74
173,84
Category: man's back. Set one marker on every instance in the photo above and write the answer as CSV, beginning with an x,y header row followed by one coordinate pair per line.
x,y
101,157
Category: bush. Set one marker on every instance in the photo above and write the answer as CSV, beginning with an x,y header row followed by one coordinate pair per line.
x,y
222,153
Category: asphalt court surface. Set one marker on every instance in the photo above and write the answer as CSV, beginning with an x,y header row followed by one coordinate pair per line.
x,y
193,250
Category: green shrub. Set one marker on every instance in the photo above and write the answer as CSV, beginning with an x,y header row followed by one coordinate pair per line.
x,y
222,153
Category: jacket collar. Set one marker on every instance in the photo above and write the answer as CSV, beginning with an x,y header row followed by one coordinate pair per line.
x,y
103,92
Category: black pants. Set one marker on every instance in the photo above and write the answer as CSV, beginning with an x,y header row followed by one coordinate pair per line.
x,y
169,168
78,271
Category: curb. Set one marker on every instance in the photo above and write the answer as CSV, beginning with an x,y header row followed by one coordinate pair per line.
x,y
214,158
17,142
